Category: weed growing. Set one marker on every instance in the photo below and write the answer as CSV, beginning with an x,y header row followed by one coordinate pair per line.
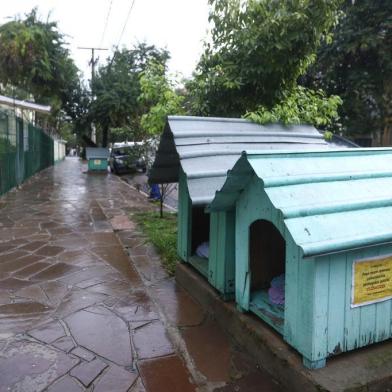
x,y
162,232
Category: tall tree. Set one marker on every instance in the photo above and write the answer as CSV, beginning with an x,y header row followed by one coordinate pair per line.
x,y
34,58
258,50
116,88
357,65
158,94
77,109
35,63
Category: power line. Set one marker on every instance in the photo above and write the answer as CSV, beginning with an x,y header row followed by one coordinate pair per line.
x,y
106,22
126,22
122,32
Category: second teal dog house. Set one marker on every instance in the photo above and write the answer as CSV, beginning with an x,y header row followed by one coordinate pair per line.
x,y
197,152
324,220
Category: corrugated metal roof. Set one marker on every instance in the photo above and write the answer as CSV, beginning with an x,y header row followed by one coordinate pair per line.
x,y
206,148
97,153
330,201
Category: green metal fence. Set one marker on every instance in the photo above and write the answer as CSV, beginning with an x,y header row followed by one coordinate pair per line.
x,y
24,150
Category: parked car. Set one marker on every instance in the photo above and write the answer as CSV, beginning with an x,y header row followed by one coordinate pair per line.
x,y
127,158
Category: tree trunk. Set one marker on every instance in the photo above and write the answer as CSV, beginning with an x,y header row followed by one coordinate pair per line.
x,y
387,109
386,138
105,136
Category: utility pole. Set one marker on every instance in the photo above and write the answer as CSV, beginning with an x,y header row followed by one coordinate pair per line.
x,y
93,62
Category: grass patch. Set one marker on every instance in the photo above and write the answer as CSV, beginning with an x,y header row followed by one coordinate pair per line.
x,y
162,232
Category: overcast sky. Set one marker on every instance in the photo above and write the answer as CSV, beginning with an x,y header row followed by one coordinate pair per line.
x,y
178,25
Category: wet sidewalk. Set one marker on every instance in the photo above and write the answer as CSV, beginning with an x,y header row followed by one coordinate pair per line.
x,y
86,306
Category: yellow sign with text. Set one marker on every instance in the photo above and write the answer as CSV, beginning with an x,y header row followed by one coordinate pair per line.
x,y
372,281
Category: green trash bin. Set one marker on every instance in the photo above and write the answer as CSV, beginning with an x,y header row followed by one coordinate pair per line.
x,y
97,159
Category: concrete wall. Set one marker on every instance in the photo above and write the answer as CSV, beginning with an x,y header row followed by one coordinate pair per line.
x,y
59,150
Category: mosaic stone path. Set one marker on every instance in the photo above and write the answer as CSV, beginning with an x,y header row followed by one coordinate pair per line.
x,y
85,304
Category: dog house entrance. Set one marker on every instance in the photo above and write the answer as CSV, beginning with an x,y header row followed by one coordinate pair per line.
x,y
200,238
267,255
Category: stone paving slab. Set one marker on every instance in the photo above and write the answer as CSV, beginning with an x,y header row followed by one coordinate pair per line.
x,y
85,304
115,379
87,372
101,331
166,374
66,384
30,366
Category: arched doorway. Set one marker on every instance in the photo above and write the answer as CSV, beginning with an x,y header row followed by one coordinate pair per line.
x,y
267,258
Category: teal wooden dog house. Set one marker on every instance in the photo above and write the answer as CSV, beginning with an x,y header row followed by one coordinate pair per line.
x,y
97,159
324,220
197,152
